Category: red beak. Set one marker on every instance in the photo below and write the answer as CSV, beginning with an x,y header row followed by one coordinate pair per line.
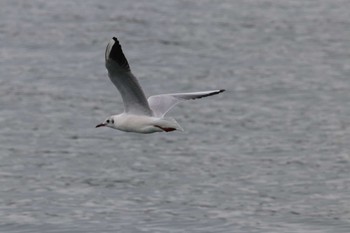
x,y
100,125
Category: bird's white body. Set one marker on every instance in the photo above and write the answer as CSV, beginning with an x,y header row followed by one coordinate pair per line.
x,y
141,115
143,124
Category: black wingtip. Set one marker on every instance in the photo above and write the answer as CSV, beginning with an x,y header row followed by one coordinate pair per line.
x,y
116,54
210,94
217,92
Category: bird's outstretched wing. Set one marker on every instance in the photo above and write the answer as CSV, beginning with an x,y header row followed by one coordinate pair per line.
x,y
161,104
120,74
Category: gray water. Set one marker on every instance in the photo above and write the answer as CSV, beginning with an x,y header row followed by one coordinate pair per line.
x,y
271,154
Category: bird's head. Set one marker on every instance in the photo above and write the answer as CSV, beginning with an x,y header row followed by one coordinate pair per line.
x,y
109,122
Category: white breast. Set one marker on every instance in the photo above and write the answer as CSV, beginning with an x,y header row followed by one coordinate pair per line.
x,y
137,123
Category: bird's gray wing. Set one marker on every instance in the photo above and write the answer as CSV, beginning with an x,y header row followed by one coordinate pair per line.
x,y
120,74
161,104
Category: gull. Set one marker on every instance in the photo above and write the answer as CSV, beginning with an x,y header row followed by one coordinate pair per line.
x,y
141,115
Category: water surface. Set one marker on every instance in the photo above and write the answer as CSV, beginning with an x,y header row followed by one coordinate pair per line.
x,y
271,154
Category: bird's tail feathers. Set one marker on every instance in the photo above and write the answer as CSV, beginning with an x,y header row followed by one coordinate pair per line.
x,y
176,125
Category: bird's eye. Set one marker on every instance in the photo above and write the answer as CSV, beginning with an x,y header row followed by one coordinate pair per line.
x,y
112,121
107,121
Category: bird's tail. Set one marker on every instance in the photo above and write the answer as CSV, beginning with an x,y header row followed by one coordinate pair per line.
x,y
175,124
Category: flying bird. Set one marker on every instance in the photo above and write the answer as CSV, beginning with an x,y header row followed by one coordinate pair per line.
x,y
141,115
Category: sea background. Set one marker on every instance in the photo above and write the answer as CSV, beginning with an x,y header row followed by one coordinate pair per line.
x,y
269,155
